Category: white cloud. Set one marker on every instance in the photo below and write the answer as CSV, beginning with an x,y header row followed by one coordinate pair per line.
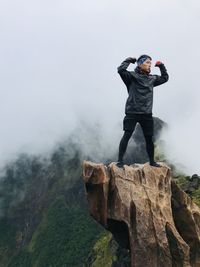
x,y
58,65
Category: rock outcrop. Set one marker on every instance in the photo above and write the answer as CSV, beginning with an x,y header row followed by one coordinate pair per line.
x,y
146,212
192,185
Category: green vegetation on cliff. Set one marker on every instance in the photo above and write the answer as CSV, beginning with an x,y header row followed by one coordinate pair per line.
x,y
103,252
64,237
49,224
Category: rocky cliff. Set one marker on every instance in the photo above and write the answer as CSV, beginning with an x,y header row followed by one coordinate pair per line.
x,y
146,212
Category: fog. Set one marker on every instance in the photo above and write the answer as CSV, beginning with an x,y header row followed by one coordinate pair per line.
x,y
59,64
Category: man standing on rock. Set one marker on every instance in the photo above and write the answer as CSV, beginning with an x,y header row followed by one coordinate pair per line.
x,y
140,84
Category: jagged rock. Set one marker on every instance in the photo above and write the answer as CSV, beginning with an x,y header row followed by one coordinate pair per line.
x,y
193,184
187,220
146,212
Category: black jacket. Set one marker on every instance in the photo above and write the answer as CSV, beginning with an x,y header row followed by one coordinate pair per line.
x,y
140,87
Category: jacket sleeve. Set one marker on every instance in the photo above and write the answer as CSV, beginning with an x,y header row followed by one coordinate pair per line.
x,y
163,78
124,73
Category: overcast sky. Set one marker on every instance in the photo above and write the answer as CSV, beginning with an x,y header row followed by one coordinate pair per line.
x,y
58,66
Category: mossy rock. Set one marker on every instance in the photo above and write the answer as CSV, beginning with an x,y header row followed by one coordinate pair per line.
x,y
104,252
107,253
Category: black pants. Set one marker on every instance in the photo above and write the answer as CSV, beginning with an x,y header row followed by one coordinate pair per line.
x,y
129,123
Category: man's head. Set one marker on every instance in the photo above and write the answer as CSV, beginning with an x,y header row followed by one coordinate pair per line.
x,y
144,63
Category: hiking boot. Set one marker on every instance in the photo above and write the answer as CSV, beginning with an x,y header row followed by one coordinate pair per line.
x,y
120,164
155,164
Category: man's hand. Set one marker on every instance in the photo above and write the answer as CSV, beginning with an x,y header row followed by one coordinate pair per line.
x,y
158,63
131,59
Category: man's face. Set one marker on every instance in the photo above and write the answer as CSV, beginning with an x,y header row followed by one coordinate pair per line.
x,y
146,66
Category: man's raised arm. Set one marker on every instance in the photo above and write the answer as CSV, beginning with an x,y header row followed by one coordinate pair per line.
x,y
164,75
123,72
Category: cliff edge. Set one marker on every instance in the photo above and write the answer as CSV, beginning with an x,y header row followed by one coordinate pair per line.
x,y
146,212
